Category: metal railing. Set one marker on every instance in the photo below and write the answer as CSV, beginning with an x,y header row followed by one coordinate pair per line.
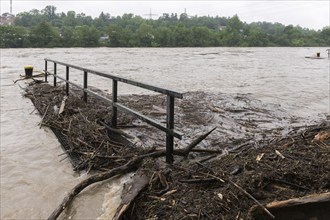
x,y
171,95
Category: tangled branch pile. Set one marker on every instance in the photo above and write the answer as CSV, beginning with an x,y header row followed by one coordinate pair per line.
x,y
294,166
267,158
89,144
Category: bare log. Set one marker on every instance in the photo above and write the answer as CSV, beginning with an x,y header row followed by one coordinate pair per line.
x,y
43,117
205,180
180,152
196,141
314,198
207,158
313,206
184,152
129,166
62,105
117,131
139,182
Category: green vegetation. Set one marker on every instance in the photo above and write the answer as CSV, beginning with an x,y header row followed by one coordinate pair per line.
x,y
46,28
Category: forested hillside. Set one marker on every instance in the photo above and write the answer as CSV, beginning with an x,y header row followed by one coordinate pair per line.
x,y
47,28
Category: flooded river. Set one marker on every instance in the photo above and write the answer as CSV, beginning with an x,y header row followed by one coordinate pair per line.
x,y
34,178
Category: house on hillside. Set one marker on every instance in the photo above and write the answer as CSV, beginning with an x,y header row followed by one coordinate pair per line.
x,y
7,19
104,38
221,28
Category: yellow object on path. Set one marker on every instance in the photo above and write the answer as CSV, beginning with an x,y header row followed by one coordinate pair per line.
x,y
28,71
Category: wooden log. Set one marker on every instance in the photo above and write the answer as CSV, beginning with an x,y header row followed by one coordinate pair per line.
x,y
314,206
43,117
140,181
321,136
323,197
115,130
62,105
186,151
128,167
180,152
205,180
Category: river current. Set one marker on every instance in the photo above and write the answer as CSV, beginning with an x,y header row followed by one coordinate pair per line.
x,y
35,176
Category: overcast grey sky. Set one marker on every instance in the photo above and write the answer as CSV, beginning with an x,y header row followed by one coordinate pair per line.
x,y
312,14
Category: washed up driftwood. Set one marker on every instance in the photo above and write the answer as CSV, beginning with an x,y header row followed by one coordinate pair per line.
x,y
129,166
278,166
314,206
140,181
62,105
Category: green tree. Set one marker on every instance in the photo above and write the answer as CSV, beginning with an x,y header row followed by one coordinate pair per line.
x,y
145,35
44,35
182,36
85,36
202,37
233,32
50,12
164,37
29,19
13,37
293,35
82,19
66,37
325,35
169,30
256,37
102,20
121,37
70,19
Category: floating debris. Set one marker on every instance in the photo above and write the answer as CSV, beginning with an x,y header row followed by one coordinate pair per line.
x,y
258,153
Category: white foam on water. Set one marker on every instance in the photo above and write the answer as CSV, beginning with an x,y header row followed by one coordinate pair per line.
x,y
112,198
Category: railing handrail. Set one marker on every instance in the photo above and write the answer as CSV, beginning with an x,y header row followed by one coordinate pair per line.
x,y
171,95
124,108
120,79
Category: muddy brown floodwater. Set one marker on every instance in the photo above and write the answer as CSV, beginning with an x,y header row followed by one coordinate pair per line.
x,y
34,179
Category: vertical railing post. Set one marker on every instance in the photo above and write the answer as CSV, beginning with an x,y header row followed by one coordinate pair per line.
x,y
46,71
169,125
85,86
67,81
114,100
55,72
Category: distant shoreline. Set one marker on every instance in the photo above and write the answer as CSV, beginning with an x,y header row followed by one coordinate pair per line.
x,y
48,29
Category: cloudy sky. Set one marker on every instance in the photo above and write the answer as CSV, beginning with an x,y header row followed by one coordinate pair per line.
x,y
312,14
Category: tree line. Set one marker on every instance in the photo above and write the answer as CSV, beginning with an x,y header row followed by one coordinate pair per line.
x,y
46,28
